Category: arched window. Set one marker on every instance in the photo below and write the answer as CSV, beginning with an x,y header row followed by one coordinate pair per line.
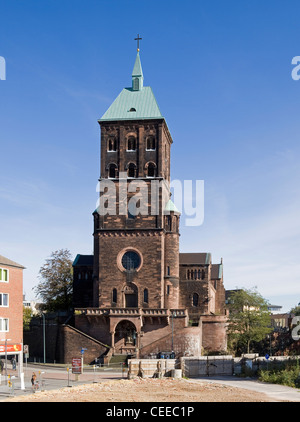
x,y
195,299
114,296
112,144
195,274
199,274
150,145
188,274
151,170
131,170
112,171
203,274
131,145
146,298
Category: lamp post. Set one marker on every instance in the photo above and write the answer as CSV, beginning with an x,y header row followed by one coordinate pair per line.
x,y
44,337
173,315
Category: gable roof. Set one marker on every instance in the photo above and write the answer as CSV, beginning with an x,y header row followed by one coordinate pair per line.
x,y
9,262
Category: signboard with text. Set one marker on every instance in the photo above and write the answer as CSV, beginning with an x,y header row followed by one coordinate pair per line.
x,y
10,348
76,366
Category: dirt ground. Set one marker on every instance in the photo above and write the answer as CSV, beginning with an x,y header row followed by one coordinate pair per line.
x,y
145,390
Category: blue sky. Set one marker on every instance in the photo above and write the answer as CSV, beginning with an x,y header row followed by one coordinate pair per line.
x,y
221,74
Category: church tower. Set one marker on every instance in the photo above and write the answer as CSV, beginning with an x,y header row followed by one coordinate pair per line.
x,y
137,295
136,238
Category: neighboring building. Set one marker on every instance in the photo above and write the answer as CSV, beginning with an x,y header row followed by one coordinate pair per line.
x,y
32,305
11,306
137,293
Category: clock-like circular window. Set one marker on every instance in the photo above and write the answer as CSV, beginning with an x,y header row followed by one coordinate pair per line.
x,y
131,260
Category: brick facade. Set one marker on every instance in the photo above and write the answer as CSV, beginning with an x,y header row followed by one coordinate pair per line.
x,y
11,286
159,301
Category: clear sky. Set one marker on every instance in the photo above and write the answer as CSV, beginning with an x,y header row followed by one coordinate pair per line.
x,y
221,74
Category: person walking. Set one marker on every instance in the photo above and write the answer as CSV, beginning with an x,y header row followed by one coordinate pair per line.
x,y
14,363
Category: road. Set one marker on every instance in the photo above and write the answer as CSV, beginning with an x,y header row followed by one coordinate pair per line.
x,y
274,391
54,377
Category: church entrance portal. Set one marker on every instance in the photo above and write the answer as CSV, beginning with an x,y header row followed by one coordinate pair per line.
x,y
125,338
131,296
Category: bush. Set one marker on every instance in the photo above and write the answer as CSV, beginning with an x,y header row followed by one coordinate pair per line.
x,y
286,374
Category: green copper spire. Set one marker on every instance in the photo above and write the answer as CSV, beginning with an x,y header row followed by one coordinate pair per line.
x,y
137,74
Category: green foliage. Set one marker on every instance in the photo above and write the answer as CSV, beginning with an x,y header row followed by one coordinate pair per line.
x,y
285,374
55,287
295,310
26,318
249,320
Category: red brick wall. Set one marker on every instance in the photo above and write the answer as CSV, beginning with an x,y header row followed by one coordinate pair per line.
x,y
214,337
14,312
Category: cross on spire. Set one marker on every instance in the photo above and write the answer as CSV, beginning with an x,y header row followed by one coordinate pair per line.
x,y
138,42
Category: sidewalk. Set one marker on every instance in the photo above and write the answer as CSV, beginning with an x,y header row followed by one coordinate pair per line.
x,y
52,378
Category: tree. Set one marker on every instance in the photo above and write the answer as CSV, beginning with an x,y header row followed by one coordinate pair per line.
x,y
295,310
249,319
26,318
55,286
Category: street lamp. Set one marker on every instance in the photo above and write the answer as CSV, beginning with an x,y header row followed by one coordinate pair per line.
x,y
6,340
44,337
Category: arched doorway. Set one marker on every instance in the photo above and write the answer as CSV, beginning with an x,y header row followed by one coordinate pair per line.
x,y
125,337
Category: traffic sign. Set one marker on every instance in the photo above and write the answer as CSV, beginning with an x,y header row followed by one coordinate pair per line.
x,y
267,356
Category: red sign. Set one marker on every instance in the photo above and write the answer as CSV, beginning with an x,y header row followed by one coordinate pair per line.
x,y
10,348
76,366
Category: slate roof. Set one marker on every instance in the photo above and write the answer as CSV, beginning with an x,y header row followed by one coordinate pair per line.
x,y
83,260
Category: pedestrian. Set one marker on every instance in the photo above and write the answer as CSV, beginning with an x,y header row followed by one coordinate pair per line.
x,y
33,380
1,366
14,363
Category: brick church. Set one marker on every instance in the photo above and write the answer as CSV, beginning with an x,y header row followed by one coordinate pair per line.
x,y
137,294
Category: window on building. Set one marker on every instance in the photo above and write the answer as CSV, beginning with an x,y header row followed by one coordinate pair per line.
x,y
131,145
4,274
188,274
4,325
150,144
3,299
151,170
114,296
195,299
131,260
168,270
112,144
112,171
146,299
131,170
168,289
